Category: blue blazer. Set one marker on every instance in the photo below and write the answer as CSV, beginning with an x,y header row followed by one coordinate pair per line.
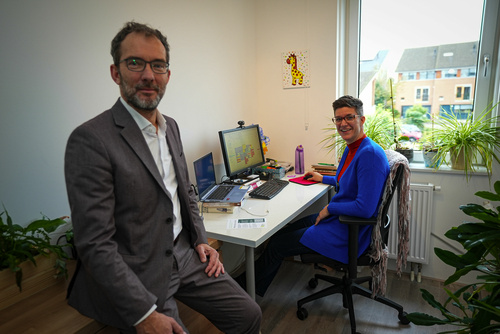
x,y
358,194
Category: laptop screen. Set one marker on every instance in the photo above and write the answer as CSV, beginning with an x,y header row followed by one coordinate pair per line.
x,y
205,173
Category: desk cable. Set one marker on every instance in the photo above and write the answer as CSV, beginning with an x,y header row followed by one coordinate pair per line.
x,y
255,214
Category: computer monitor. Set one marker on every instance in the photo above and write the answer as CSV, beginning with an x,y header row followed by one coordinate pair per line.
x,y
241,150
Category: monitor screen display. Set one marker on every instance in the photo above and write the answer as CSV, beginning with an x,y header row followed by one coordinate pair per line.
x,y
241,150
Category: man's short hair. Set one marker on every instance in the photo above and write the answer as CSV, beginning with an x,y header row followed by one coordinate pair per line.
x,y
131,27
349,101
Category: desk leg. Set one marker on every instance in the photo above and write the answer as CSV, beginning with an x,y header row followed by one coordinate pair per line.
x,y
250,265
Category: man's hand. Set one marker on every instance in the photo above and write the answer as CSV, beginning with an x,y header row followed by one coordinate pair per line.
x,y
214,265
322,215
159,323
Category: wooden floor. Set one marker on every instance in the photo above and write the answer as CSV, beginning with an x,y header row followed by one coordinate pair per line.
x,y
327,315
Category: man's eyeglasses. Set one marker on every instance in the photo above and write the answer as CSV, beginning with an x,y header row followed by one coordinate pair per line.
x,y
348,118
138,65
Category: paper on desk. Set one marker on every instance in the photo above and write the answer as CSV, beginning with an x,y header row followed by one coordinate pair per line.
x,y
246,223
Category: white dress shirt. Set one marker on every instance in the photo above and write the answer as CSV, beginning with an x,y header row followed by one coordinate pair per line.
x,y
157,143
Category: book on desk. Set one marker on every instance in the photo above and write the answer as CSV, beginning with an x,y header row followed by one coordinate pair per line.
x,y
325,169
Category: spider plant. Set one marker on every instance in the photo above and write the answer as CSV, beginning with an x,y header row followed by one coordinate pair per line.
x,y
470,141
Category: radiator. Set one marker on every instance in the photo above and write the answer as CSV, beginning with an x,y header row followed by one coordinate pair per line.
x,y
420,224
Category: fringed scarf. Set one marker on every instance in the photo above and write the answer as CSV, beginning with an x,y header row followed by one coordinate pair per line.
x,y
379,251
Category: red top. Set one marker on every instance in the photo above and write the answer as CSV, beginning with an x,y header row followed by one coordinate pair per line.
x,y
353,147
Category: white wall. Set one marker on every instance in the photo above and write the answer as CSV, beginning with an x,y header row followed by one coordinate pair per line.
x,y
55,75
291,117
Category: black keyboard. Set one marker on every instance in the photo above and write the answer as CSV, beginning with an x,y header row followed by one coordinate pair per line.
x,y
220,193
269,189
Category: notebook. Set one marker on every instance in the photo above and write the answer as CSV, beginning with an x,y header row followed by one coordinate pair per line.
x,y
208,190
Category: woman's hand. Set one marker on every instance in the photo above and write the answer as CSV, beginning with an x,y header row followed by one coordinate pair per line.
x,y
315,176
322,215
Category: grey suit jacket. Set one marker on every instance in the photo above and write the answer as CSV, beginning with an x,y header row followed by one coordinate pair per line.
x,y
122,217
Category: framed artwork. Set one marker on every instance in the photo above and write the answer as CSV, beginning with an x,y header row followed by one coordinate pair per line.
x,y
295,65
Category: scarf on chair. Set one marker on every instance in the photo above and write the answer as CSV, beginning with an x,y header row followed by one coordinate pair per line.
x,y
379,251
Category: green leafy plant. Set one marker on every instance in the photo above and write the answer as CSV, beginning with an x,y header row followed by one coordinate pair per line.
x,y
475,139
478,303
19,244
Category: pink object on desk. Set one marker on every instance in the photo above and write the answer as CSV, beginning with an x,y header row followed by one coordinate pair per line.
x,y
302,181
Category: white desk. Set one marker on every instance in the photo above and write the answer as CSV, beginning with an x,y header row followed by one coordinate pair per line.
x,y
282,209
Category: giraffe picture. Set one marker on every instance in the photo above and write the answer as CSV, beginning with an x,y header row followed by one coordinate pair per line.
x,y
295,65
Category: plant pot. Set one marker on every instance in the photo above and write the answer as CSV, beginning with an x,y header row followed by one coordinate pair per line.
x,y
458,159
407,152
429,160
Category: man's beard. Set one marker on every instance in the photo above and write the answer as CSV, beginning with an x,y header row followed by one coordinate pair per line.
x,y
147,104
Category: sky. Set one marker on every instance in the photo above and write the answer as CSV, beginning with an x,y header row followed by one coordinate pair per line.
x,y
400,24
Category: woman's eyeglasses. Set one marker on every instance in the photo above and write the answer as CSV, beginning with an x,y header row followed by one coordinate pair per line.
x,y
348,118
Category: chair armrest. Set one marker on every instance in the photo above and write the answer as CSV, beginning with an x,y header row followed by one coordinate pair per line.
x,y
351,220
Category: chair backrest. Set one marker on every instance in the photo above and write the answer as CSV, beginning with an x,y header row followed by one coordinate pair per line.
x,y
396,183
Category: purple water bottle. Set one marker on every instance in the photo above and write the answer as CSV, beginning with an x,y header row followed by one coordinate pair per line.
x,y
299,160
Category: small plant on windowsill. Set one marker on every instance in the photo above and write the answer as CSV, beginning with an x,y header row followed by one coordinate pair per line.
x,y
401,144
19,244
430,148
478,304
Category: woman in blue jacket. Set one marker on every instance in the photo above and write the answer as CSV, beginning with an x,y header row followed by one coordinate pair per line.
x,y
359,183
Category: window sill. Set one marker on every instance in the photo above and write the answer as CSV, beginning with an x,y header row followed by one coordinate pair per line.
x,y
417,165
420,168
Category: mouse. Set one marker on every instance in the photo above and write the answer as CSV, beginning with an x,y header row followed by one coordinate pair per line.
x,y
307,177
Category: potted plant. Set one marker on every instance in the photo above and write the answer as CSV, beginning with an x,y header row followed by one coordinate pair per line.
x,y
466,142
478,303
19,244
430,148
401,144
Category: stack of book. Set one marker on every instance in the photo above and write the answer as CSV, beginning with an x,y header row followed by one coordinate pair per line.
x,y
218,207
325,169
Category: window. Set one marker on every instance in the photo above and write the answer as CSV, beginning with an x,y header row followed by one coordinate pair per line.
x,y
450,73
422,95
432,49
468,72
457,60
463,93
427,75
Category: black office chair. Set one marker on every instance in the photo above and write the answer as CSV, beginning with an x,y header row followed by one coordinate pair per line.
x,y
350,284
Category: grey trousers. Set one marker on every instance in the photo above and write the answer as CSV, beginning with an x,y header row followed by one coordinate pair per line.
x,y
221,300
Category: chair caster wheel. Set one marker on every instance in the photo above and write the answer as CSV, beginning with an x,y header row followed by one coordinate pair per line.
x,y
313,283
403,319
302,313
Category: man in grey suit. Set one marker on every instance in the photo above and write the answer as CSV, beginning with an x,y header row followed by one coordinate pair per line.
x,y
138,233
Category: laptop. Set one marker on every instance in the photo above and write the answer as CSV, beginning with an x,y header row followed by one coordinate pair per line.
x,y
208,190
